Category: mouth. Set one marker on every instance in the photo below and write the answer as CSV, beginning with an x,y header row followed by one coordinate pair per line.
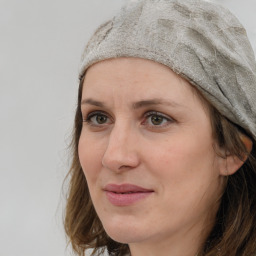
x,y
126,194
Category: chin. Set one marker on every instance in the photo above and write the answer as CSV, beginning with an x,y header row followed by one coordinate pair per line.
x,y
125,237
125,234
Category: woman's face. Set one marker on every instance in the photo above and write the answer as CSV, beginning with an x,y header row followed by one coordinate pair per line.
x,y
146,150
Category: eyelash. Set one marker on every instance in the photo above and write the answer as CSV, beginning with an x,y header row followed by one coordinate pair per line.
x,y
167,120
89,117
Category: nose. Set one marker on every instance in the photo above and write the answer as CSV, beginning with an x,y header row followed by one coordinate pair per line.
x,y
121,151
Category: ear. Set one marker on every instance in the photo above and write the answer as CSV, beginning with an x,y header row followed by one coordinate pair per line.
x,y
247,142
231,163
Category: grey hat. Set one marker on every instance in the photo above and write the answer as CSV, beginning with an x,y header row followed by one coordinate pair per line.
x,y
201,41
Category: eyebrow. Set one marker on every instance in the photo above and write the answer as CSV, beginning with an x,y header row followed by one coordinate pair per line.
x,y
135,105
152,102
92,102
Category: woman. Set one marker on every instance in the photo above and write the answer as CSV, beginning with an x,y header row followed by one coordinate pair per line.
x,y
164,137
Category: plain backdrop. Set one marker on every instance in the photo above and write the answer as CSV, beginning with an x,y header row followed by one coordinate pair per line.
x,y
41,42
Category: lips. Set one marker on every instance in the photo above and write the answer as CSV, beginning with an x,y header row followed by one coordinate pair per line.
x,y
125,194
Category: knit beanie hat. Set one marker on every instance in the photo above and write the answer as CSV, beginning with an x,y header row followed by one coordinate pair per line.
x,y
201,41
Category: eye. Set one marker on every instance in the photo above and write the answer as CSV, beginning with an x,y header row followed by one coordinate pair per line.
x,y
156,119
97,119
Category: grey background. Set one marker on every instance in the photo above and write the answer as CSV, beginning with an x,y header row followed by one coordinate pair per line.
x,y
40,47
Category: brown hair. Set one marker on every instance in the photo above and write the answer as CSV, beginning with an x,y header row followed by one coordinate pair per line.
x,y
234,232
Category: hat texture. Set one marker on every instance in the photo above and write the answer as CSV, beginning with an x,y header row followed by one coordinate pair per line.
x,y
201,41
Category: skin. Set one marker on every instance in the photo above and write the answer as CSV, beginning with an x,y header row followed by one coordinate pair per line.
x,y
175,158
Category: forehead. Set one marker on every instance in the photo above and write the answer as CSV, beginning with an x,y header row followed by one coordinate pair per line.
x,y
137,78
131,71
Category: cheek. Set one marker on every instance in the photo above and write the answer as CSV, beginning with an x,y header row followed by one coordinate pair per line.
x,y
187,176
90,156
183,164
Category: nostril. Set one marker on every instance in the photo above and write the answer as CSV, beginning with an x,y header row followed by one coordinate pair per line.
x,y
125,167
